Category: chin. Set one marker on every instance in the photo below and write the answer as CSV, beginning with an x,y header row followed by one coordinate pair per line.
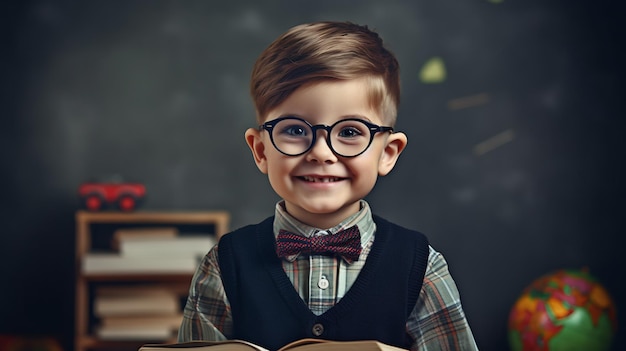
x,y
321,210
330,210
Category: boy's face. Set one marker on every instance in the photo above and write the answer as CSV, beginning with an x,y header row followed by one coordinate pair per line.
x,y
319,187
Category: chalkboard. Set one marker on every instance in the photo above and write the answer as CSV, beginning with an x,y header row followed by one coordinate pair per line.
x,y
511,109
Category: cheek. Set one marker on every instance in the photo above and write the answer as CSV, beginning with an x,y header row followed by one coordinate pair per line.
x,y
276,178
279,167
364,169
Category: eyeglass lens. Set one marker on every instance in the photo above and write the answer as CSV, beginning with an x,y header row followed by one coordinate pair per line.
x,y
347,137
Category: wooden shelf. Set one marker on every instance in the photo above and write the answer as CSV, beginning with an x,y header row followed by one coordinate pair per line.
x,y
86,222
93,343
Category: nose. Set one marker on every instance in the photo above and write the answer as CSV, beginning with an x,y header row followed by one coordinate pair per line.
x,y
321,151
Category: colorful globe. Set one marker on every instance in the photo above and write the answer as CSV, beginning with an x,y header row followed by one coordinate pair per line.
x,y
561,311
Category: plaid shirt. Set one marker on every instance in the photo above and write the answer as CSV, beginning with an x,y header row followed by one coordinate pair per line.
x,y
437,322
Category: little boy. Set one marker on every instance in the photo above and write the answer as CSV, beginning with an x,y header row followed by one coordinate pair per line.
x,y
326,96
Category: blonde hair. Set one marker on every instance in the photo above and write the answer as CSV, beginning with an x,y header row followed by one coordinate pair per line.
x,y
325,51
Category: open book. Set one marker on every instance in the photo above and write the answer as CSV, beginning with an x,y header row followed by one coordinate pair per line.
x,y
299,345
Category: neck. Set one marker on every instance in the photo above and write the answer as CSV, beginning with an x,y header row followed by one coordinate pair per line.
x,y
323,220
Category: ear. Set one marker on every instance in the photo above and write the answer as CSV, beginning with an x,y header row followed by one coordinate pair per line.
x,y
396,142
256,144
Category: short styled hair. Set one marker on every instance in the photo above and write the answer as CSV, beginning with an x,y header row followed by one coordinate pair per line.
x,y
323,51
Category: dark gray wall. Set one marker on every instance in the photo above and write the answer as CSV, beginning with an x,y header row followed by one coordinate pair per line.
x,y
157,92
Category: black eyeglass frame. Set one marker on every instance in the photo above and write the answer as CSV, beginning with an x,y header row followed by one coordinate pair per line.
x,y
374,128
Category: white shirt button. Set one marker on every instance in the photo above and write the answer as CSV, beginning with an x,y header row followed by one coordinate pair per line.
x,y
323,283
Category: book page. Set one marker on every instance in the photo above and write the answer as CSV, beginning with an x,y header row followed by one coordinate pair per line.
x,y
298,345
292,345
330,345
226,345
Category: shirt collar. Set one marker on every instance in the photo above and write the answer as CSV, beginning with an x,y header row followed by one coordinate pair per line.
x,y
362,219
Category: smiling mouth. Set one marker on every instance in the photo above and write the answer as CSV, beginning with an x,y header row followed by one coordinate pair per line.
x,y
320,179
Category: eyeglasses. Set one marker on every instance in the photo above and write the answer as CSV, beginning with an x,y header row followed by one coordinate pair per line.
x,y
349,137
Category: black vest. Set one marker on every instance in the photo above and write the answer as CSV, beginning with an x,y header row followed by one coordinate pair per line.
x,y
268,311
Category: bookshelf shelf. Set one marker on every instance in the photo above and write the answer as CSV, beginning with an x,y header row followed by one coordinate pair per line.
x,y
92,343
95,228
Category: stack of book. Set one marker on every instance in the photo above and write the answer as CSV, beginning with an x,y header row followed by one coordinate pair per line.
x,y
137,313
149,251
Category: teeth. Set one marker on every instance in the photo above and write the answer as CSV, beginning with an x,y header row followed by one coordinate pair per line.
x,y
321,180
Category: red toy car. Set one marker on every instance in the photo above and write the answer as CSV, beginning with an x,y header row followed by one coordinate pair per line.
x,y
124,196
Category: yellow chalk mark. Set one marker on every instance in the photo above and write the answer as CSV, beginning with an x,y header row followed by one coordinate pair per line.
x,y
433,71
468,101
494,142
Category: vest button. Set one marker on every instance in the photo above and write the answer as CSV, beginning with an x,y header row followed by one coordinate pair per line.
x,y
318,329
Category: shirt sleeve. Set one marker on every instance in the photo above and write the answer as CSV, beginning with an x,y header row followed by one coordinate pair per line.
x,y
438,321
207,314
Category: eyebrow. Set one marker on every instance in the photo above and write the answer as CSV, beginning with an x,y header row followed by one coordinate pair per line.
x,y
358,116
341,118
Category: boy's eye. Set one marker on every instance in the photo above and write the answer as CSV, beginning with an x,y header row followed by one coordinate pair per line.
x,y
294,130
349,132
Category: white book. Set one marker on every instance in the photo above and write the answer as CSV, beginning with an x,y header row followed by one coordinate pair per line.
x,y
147,305
136,333
136,290
107,263
142,232
171,321
189,245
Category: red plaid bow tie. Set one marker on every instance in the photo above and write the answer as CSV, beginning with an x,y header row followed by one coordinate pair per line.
x,y
345,243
